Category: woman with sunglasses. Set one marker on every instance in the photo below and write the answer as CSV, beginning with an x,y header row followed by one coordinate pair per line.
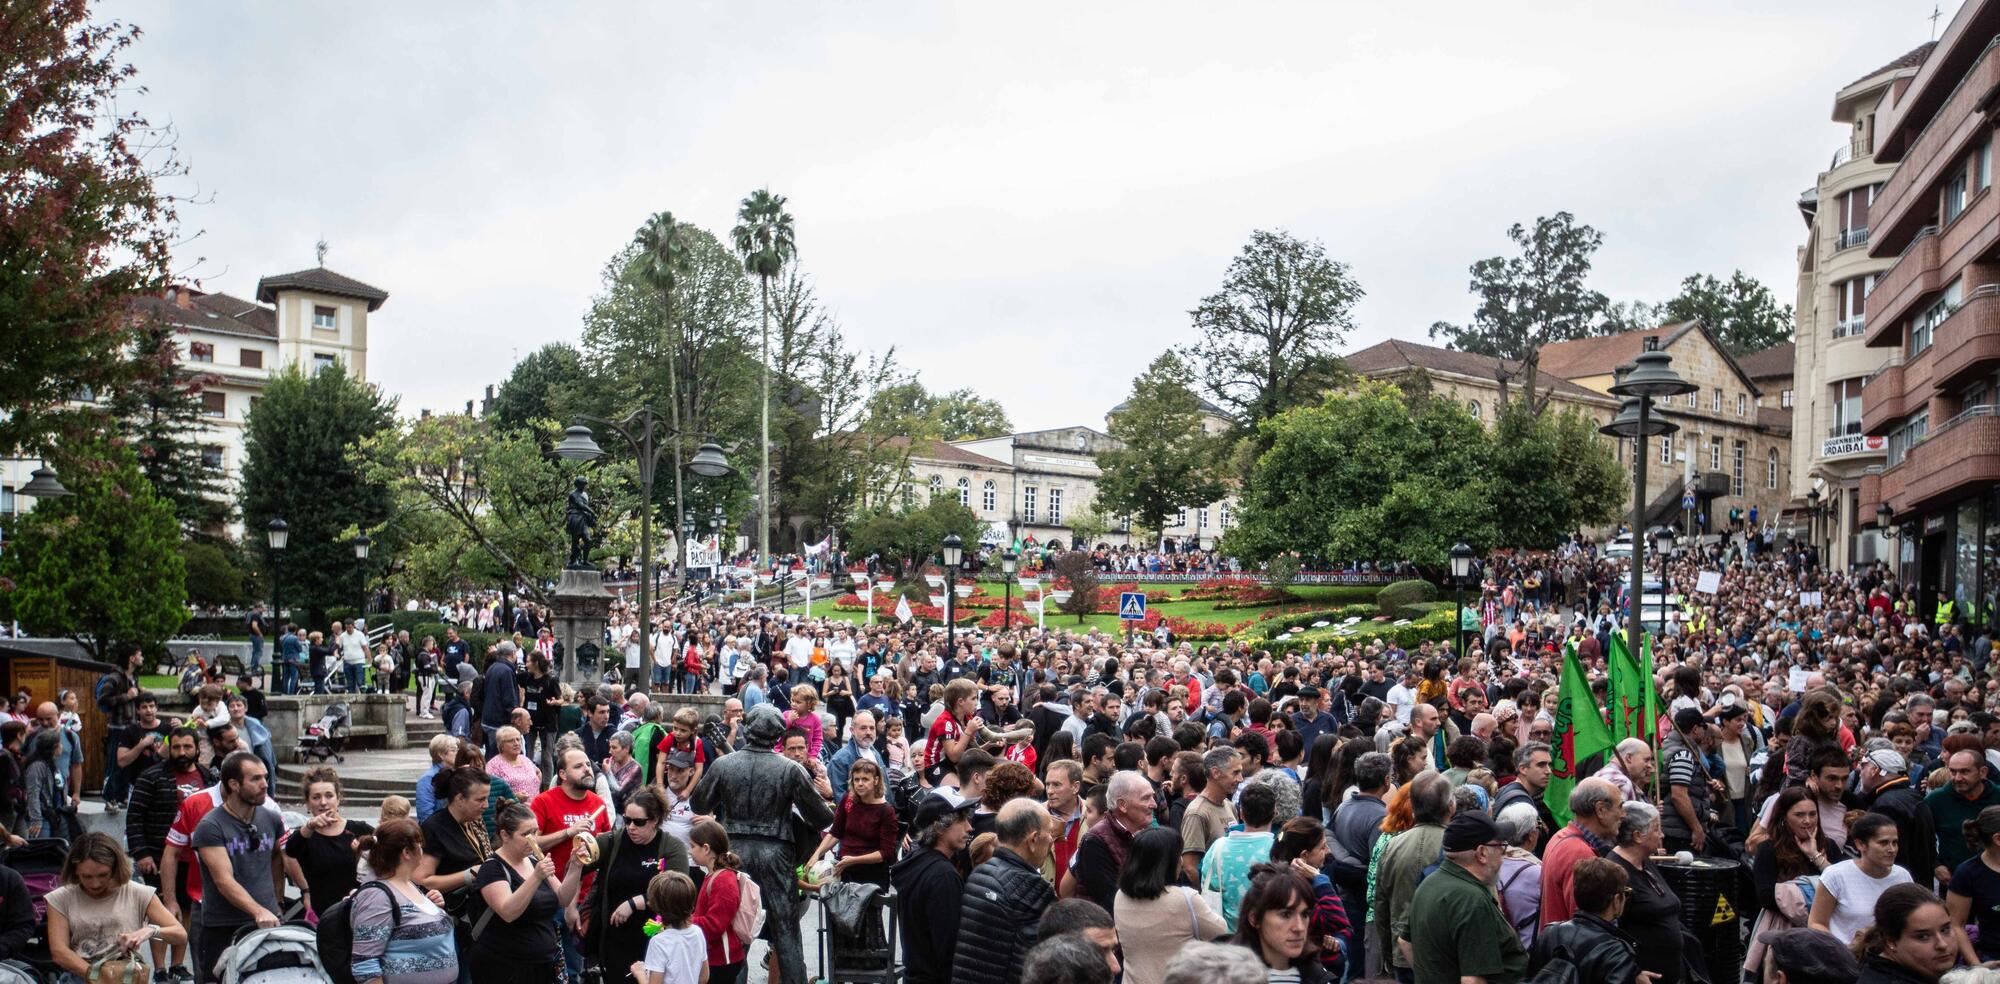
x,y
627,859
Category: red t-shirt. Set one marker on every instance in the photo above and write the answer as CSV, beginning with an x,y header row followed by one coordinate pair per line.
x,y
945,729
555,810
180,835
666,747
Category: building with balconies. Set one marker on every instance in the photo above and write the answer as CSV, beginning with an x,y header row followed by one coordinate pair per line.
x,y
1934,317
1830,451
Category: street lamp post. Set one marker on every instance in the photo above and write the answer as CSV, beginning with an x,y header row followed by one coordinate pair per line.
x,y
1009,561
1649,378
954,551
43,484
361,544
1461,570
277,533
643,430
1663,544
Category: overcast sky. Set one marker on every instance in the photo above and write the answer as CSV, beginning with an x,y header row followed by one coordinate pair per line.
x,y
1023,198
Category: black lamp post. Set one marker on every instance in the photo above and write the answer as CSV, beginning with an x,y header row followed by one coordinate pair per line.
x,y
1650,377
277,533
361,544
1663,545
1812,521
1461,571
954,552
643,431
43,484
1009,562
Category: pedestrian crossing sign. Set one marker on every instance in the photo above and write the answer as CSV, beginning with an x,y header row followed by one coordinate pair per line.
x,y
1132,605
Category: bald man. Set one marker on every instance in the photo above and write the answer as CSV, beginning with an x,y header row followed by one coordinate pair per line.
x,y
69,752
1005,897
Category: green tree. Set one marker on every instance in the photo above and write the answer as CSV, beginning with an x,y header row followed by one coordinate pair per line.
x,y
1270,336
82,227
1556,475
479,492
101,566
1089,525
763,237
1168,459
1742,313
297,467
963,415
541,387
906,538
213,579
1538,297
156,403
1369,474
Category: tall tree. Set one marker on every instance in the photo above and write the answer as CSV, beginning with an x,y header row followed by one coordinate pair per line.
x,y
963,415
1538,297
763,237
156,402
1742,312
100,566
1169,460
297,468
82,227
662,261
1556,473
541,387
1269,337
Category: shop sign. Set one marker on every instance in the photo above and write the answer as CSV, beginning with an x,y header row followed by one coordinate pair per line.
x,y
1853,444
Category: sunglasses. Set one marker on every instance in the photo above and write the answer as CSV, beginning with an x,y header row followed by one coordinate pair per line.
x,y
639,821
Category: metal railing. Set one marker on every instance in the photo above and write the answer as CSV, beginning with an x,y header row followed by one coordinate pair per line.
x,y
1850,327
1850,238
1976,410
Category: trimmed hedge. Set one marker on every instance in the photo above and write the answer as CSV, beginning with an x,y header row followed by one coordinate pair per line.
x,y
421,624
1401,597
1435,626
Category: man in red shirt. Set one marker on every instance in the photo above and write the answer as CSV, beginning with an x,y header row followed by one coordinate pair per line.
x,y
1598,807
569,808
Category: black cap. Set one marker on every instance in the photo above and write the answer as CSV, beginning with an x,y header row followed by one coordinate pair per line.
x,y
1308,693
1469,830
934,808
680,760
1810,955
1687,718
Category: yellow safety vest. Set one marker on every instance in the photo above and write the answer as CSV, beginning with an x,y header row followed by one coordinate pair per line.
x,y
1944,609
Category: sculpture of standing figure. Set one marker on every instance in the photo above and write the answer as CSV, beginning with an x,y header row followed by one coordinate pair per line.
x,y
580,521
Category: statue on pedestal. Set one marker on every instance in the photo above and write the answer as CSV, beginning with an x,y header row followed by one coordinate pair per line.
x,y
580,522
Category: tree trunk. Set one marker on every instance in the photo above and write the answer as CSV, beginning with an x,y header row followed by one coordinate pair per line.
x,y
674,397
764,443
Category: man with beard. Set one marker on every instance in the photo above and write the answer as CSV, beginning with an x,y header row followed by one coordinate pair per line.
x,y
569,808
757,795
239,846
156,800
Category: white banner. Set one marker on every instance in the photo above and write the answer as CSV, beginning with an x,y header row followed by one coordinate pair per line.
x,y
704,553
903,613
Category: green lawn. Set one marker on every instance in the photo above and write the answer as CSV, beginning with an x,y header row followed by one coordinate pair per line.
x,y
1204,611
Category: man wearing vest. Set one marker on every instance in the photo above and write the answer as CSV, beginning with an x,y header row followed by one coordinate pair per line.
x,y
1685,816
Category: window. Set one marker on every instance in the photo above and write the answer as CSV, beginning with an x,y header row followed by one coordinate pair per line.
x,y
1225,515
1473,405
1851,305
1180,518
1715,402
909,493
1845,396
1694,400
1955,195
1027,503
937,486
211,457
1926,324
1742,450
989,498
1742,404
1903,438
201,352
1666,449
325,318
1785,399
1715,454
251,359
964,491
214,404
8,504
322,362
1055,507
84,394
1982,166
1771,469
1201,518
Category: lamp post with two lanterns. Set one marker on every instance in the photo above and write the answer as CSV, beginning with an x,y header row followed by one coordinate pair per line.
x,y
1649,377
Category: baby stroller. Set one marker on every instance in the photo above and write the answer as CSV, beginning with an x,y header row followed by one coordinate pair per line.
x,y
39,863
327,738
279,955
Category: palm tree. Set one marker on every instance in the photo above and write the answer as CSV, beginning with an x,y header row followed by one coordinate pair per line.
x,y
763,236
661,263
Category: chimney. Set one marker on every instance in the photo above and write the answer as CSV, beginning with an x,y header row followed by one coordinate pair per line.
x,y
423,415
468,408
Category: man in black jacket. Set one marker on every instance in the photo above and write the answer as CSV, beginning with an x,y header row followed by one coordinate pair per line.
x,y
929,891
1005,897
156,800
1886,778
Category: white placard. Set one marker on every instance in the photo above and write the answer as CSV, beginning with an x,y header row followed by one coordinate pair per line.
x,y
1710,582
1812,599
1795,681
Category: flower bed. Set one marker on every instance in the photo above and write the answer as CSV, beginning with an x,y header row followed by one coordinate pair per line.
x,y
1237,592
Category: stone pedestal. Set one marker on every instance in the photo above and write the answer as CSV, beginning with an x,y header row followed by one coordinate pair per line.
x,y
581,610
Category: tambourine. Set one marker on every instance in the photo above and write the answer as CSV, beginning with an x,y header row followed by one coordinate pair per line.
x,y
584,847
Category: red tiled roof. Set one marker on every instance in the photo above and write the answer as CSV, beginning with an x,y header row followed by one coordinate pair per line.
x,y
1600,355
1397,353
1914,58
943,451
212,312
1772,363
324,281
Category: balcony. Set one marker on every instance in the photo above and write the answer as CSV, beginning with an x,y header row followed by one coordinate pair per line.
x,y
1900,287
1907,193
1968,342
1963,452
1897,391
1850,327
1850,238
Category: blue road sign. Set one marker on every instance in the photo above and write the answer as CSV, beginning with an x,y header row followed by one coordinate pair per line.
x,y
1132,605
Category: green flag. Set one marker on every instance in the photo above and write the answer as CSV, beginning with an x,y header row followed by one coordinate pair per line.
x,y
1580,733
1631,691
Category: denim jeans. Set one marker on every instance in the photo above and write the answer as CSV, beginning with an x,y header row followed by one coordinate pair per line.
x,y
288,679
256,655
355,675
116,788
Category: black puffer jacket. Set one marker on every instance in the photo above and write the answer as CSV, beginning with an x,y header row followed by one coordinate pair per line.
x,y
155,801
1601,952
1004,901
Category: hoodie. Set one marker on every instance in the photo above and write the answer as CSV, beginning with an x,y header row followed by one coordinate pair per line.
x,y
929,895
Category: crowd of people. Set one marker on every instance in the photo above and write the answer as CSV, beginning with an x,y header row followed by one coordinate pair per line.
x,y
1068,806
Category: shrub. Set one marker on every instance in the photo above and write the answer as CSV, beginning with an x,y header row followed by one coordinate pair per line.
x,y
1400,596
1434,626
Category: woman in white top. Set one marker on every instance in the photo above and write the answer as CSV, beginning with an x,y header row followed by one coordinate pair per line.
x,y
1845,902
101,912
1154,916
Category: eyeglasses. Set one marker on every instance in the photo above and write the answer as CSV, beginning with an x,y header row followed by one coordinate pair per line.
x,y
639,821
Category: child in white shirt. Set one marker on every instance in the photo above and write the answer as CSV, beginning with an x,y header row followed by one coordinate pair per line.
x,y
678,954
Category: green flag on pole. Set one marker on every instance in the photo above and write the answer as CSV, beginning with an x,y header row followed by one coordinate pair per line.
x,y
1580,733
1631,691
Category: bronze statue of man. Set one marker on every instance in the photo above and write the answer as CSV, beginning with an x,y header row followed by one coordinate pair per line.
x,y
580,520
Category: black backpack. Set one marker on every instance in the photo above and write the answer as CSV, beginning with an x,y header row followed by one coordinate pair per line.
x,y
336,932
